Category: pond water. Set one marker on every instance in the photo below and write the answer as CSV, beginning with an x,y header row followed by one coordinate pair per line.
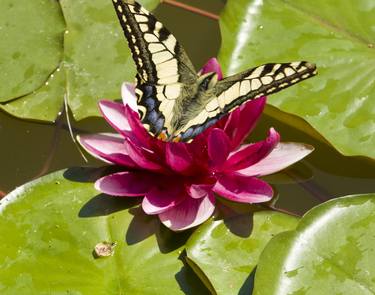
x,y
32,149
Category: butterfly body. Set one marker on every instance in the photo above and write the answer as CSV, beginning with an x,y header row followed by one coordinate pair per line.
x,y
174,102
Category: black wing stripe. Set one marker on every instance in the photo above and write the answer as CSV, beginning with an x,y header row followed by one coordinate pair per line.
x,y
267,69
134,35
146,34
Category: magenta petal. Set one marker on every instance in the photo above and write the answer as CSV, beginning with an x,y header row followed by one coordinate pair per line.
x,y
163,197
129,184
142,157
189,213
282,156
212,65
138,132
128,95
243,120
107,147
243,189
178,157
218,147
250,154
198,191
114,113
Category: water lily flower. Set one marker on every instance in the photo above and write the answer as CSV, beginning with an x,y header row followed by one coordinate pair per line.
x,y
178,181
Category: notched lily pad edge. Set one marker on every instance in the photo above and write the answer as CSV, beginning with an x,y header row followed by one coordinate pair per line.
x,y
17,112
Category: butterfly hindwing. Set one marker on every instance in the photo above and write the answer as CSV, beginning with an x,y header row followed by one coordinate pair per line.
x,y
163,66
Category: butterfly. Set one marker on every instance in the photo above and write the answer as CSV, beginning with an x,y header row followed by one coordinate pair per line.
x,y
174,102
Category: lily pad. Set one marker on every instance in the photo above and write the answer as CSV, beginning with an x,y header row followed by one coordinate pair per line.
x,y
331,252
72,48
227,252
340,102
30,47
52,229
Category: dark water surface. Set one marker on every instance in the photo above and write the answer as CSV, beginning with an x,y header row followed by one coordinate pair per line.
x,y
31,149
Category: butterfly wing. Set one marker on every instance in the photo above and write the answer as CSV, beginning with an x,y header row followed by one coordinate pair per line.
x,y
233,91
163,66
260,81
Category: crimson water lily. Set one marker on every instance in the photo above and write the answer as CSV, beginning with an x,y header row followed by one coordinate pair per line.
x,y
178,181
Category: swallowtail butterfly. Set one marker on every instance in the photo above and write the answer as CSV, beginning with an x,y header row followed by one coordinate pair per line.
x,y
174,102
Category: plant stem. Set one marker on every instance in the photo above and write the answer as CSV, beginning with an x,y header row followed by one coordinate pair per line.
x,y
312,187
280,210
191,9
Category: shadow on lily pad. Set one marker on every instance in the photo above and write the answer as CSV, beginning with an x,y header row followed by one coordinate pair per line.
x,y
143,226
102,205
237,217
88,174
241,225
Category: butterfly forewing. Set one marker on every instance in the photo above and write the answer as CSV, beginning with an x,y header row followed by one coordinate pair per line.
x,y
260,81
163,66
237,89
159,58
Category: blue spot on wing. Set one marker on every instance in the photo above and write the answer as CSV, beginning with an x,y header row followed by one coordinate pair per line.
x,y
153,117
150,103
156,121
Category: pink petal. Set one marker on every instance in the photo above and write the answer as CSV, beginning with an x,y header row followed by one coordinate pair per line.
x,y
243,120
189,213
250,154
283,155
243,189
198,191
128,95
138,132
114,113
163,197
179,158
144,158
129,184
107,147
218,147
212,65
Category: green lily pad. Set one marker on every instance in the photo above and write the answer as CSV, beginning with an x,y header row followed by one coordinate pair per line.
x,y
340,102
54,233
72,48
30,47
331,252
227,252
